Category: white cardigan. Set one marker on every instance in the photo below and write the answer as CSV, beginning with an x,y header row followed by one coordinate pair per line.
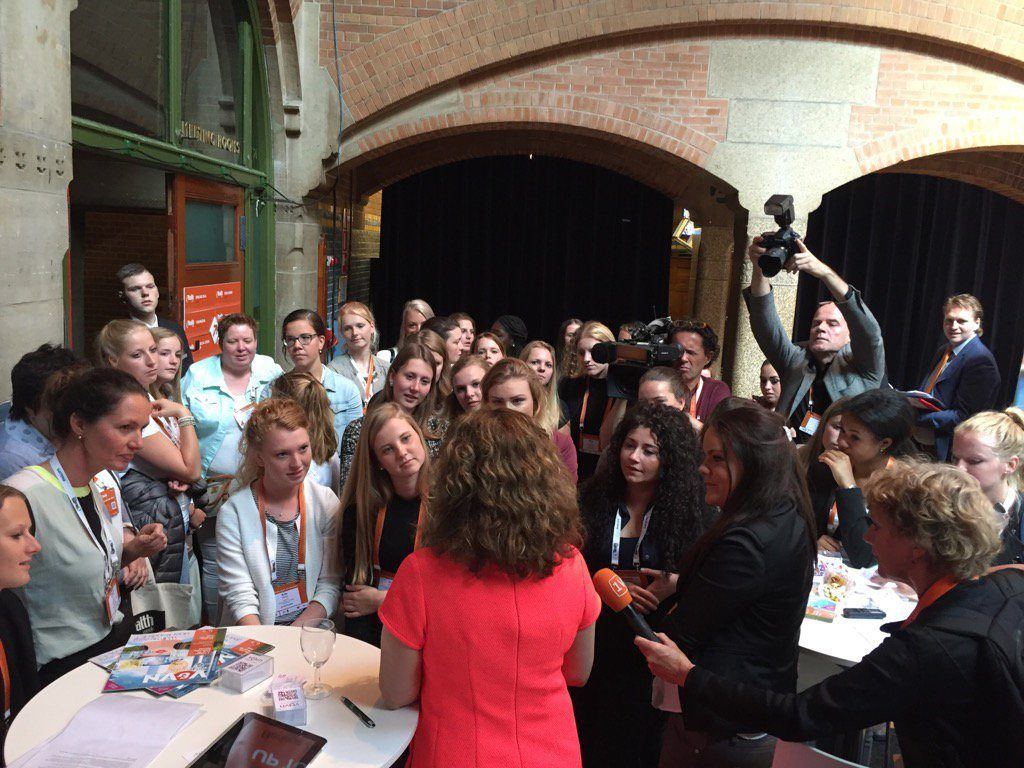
x,y
245,585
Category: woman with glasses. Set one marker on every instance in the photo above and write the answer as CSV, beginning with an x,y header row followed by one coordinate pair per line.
x,y
303,337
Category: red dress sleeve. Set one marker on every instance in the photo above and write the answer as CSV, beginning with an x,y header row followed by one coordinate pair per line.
x,y
404,610
591,600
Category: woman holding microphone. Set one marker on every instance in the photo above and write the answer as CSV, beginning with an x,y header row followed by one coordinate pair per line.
x,y
936,676
742,588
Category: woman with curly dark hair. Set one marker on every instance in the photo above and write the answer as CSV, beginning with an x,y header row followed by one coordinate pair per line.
x,y
642,510
493,616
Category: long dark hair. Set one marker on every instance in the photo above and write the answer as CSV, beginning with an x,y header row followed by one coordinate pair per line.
x,y
680,514
888,415
756,438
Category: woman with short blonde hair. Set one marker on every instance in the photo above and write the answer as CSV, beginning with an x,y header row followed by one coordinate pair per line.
x,y
591,419
498,554
933,529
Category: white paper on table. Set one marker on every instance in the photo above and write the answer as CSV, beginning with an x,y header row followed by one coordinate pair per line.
x,y
95,735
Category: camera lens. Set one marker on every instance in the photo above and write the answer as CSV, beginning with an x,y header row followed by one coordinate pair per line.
x,y
772,260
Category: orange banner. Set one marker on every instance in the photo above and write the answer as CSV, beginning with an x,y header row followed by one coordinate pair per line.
x,y
204,306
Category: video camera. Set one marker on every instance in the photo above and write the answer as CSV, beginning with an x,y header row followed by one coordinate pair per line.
x,y
781,245
628,360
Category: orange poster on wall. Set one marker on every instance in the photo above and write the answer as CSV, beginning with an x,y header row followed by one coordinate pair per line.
x,y
204,306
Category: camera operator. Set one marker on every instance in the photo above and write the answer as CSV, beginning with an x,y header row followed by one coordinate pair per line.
x,y
844,355
698,343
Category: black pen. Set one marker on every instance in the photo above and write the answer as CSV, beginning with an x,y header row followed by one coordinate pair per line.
x,y
363,717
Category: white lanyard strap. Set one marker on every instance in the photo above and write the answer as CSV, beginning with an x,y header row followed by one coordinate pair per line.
x,y
617,538
107,546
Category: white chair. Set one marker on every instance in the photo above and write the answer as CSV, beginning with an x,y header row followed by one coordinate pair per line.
x,y
790,755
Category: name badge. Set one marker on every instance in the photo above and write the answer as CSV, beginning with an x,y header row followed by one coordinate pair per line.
x,y
590,444
242,415
810,423
112,600
109,498
287,600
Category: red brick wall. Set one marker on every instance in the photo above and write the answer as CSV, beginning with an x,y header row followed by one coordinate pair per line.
x,y
114,238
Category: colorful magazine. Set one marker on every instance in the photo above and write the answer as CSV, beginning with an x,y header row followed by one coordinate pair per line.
x,y
821,608
166,660
234,648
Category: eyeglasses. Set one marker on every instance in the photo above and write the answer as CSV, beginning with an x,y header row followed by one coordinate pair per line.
x,y
303,339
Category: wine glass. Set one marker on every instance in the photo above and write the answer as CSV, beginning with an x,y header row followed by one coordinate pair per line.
x,y
317,642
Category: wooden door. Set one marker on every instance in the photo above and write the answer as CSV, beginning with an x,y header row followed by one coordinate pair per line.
x,y
207,257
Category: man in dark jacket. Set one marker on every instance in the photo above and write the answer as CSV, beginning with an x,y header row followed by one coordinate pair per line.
x,y
963,374
843,356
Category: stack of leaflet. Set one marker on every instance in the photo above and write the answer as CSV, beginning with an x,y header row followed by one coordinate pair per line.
x,y
232,648
165,661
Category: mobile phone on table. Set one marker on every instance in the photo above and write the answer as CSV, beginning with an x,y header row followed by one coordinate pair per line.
x,y
863,613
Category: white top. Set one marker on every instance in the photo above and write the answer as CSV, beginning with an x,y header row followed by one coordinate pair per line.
x,y
228,456
328,474
352,670
243,565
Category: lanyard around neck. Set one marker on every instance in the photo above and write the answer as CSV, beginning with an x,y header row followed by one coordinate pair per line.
x,y
300,521
617,539
107,545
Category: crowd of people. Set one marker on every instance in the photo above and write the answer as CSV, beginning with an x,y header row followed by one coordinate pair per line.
x,y
448,499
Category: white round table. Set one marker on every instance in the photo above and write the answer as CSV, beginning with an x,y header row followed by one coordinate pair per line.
x,y
847,641
352,670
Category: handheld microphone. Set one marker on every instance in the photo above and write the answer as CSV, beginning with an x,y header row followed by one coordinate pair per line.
x,y
613,592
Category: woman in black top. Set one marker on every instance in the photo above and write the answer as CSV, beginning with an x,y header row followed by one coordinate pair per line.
x,y
875,429
18,681
743,587
642,509
587,399
952,705
382,503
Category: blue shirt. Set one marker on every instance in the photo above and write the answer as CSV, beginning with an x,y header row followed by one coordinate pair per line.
x,y
21,445
205,393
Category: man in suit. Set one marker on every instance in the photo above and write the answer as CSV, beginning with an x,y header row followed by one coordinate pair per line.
x,y
139,292
844,355
963,374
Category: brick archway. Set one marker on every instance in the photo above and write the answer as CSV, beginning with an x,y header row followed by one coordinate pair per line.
x,y
658,152
482,34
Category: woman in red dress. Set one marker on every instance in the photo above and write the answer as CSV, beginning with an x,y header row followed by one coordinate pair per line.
x,y
489,621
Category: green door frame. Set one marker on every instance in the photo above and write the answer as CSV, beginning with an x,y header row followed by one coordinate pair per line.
x,y
254,173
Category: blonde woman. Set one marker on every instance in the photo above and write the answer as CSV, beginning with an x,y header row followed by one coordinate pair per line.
x,y
591,420
540,356
277,534
989,447
304,389
358,362
383,503
414,314
511,383
466,396
155,482
170,353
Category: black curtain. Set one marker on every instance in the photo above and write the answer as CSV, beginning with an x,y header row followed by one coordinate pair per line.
x,y
908,242
544,239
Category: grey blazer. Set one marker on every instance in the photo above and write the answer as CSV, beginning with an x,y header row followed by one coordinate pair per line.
x,y
857,367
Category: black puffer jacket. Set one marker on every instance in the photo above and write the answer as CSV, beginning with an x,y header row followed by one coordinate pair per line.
x,y
150,501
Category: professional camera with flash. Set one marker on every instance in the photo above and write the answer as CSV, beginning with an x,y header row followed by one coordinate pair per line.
x,y
779,246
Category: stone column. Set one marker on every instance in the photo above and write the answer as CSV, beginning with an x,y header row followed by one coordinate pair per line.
x,y
714,278
788,133
35,169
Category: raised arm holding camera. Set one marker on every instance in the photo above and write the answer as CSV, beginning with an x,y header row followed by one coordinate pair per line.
x,y
844,355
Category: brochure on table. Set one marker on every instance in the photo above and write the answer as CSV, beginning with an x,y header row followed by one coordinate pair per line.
x,y
167,660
